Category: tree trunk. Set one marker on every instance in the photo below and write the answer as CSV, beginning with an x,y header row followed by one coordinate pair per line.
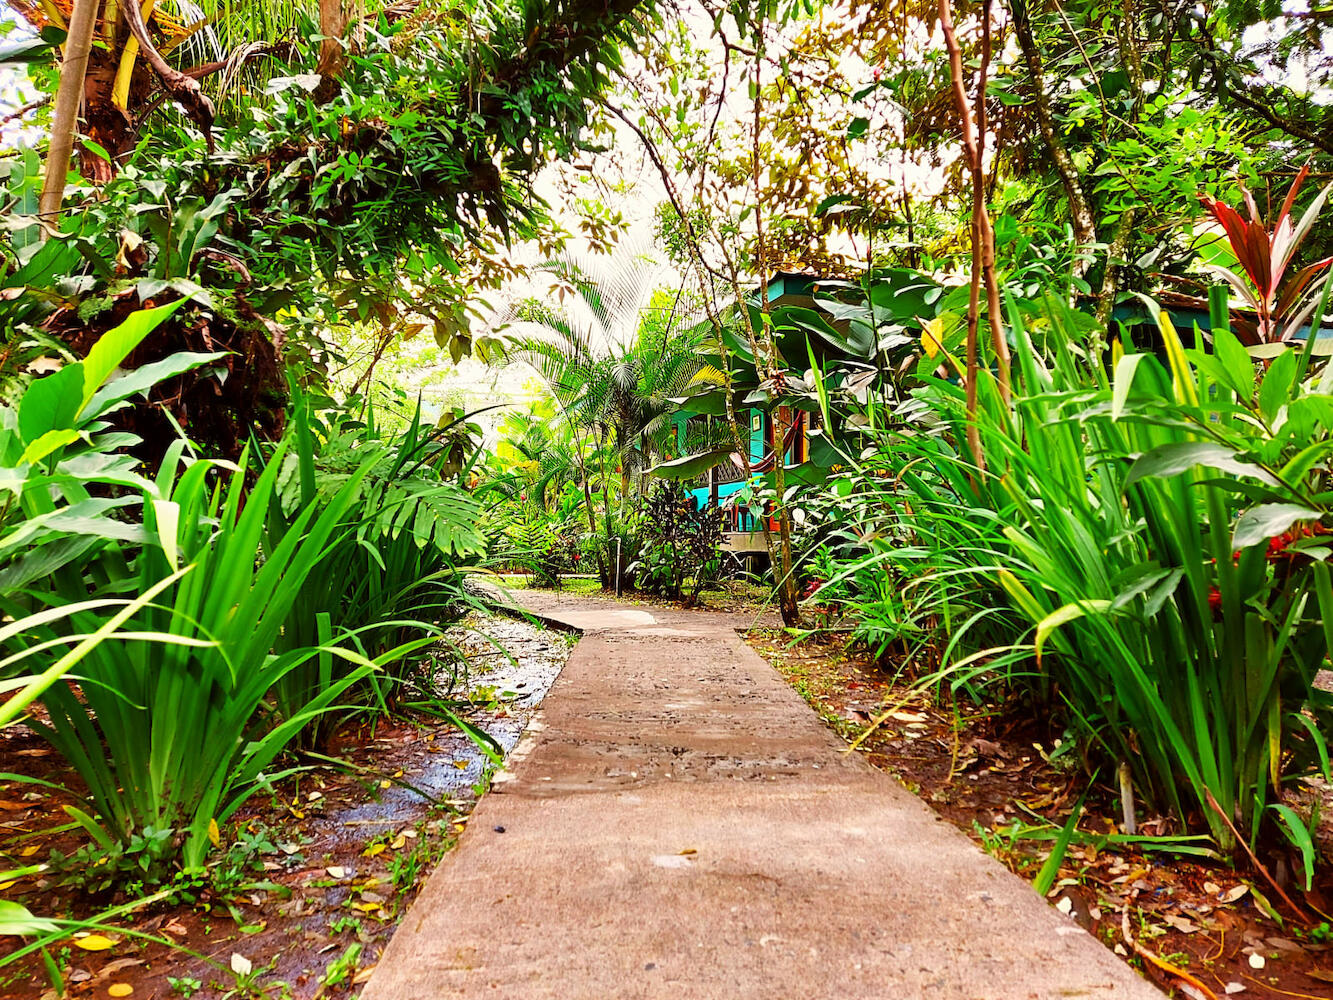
x,y
332,56
788,599
65,117
1085,229
694,251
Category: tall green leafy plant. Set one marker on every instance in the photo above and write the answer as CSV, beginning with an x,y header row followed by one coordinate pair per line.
x,y
63,478
392,572
1166,548
1153,541
680,543
170,740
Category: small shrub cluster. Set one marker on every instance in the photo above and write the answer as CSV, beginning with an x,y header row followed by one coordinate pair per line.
x,y
679,543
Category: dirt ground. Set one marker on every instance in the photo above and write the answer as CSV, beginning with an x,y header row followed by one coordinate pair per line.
x,y
1196,926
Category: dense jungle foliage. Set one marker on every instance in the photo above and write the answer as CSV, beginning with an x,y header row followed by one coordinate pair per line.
x,y
993,335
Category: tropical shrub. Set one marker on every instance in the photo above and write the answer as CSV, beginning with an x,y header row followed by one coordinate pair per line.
x,y
680,543
1142,552
258,600
1262,254
393,571
544,548
61,466
176,737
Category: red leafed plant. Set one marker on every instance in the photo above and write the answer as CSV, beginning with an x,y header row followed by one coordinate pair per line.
x,y
1264,253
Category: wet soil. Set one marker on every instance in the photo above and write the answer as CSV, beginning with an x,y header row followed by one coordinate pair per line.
x,y
1198,928
331,861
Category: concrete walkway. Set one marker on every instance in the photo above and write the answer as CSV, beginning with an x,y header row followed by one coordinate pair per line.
x,y
679,824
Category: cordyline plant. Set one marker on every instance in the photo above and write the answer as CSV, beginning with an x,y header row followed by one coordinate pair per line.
x,y
1264,253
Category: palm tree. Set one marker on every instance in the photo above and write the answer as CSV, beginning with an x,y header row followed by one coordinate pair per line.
x,y
611,363
534,460
612,356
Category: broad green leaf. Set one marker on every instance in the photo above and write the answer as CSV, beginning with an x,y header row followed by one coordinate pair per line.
x,y
46,444
1063,616
100,467
167,515
115,346
87,517
13,479
1300,464
50,403
1258,524
1180,456
691,465
1235,362
144,378
1275,390
39,561
17,920
1124,382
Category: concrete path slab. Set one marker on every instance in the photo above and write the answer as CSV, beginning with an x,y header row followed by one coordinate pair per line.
x,y
680,825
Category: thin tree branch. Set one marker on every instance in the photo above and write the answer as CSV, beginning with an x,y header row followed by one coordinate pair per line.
x,y
184,90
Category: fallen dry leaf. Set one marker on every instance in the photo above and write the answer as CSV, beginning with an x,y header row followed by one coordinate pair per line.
x,y
241,965
1234,893
94,942
119,990
1182,924
1257,961
111,968
337,872
1283,944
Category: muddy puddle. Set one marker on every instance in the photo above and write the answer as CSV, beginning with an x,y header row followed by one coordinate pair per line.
x,y
504,668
